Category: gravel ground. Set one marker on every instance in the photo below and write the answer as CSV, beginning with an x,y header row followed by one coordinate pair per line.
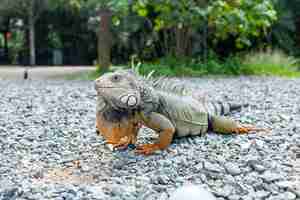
x,y
49,149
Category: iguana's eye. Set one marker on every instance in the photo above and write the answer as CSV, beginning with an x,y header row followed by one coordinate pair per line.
x,y
115,78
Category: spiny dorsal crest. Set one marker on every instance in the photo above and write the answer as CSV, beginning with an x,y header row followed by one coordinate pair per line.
x,y
166,84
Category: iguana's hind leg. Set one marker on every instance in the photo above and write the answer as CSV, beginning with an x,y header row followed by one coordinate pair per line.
x,y
165,129
222,124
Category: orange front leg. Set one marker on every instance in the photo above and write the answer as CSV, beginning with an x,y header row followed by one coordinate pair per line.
x,y
123,142
165,129
165,139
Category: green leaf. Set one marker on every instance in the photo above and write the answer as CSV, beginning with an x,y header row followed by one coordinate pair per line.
x,y
142,12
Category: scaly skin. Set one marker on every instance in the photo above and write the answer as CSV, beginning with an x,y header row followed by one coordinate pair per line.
x,y
125,101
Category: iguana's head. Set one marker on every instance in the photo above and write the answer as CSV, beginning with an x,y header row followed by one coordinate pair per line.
x,y
120,89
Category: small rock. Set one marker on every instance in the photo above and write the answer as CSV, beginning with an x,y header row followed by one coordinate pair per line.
x,y
284,184
163,179
296,189
261,194
258,168
232,169
235,197
270,176
67,196
225,192
199,166
163,196
39,174
191,192
260,144
290,195
10,193
84,168
285,117
97,191
275,119
212,167
245,146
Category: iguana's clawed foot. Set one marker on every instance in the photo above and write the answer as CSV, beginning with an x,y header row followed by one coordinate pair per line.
x,y
122,143
247,129
147,149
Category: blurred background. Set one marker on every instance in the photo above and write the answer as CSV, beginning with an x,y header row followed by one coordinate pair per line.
x,y
175,38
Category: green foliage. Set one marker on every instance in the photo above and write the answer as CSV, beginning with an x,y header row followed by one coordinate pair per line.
x,y
242,22
270,62
243,19
16,45
172,13
171,66
284,33
23,8
118,8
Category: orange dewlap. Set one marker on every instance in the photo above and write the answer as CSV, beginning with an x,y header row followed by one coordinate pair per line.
x,y
114,131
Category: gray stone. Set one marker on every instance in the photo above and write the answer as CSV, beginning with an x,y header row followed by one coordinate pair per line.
x,y
245,146
199,166
271,176
85,168
225,191
191,192
163,179
284,184
212,167
261,194
232,169
235,197
289,196
10,193
258,167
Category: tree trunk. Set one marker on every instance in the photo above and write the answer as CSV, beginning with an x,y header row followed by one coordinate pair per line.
x,y
104,40
5,45
32,58
298,31
6,31
182,36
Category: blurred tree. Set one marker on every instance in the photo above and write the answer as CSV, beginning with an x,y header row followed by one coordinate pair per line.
x,y
242,19
4,30
286,30
103,13
180,19
64,27
28,11
176,19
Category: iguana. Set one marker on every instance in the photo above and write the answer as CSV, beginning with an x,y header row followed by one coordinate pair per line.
x,y
125,101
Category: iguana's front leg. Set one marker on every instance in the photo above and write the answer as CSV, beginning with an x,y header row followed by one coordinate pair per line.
x,y
163,126
222,124
123,142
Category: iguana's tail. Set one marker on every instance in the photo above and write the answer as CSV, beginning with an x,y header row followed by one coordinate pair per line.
x,y
223,108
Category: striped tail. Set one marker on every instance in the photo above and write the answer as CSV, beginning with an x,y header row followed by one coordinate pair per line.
x,y
223,108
